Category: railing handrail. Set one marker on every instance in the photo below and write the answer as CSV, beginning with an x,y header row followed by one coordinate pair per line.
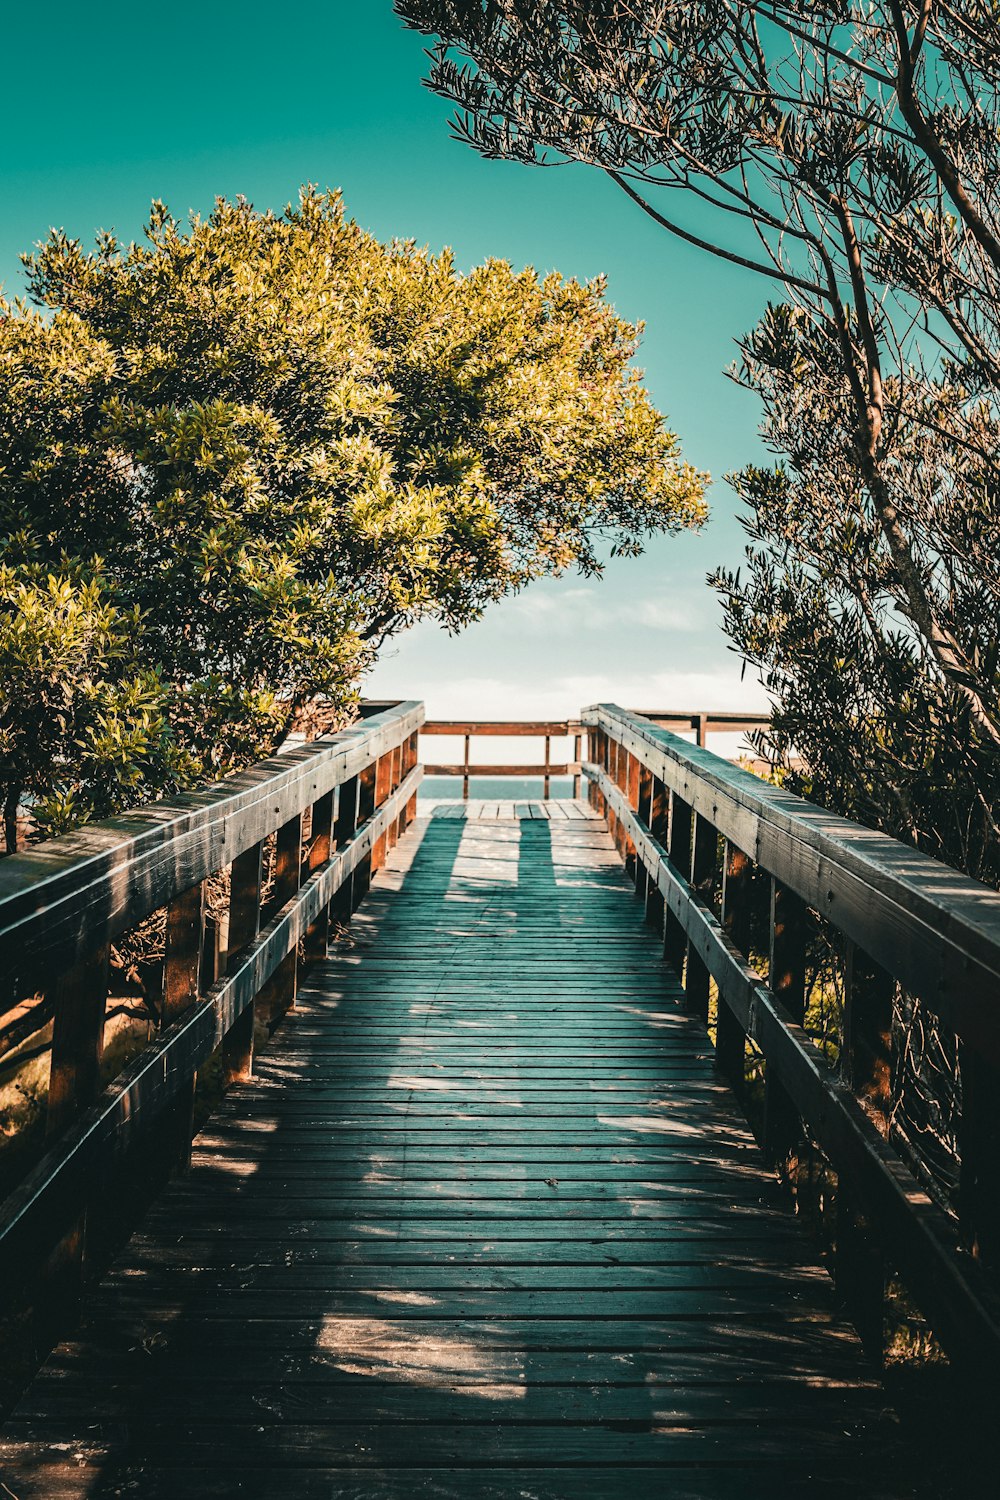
x,y
77,891
936,930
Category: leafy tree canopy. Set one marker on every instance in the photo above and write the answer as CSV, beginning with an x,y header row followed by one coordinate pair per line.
x,y
237,457
849,152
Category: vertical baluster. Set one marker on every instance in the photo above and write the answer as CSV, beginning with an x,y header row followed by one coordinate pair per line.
x,y
644,797
979,1144
366,806
277,997
181,973
613,752
465,768
577,758
344,829
244,924
704,854
77,1041
383,783
631,790
659,805
320,842
730,1038
681,825
410,759
546,780
396,776
866,1066
787,981
74,1084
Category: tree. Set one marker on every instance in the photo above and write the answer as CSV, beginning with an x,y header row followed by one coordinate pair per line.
x,y
239,456
848,151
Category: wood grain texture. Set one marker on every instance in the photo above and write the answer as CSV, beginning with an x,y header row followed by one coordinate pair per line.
x,y
484,1224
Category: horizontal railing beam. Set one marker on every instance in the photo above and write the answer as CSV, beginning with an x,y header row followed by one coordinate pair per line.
x,y
508,728
570,768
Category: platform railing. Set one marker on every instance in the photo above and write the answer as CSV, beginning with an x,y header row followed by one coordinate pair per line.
x,y
546,730
704,841
702,721
295,840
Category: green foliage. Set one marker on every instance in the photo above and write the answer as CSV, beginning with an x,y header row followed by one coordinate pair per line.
x,y
850,154
236,458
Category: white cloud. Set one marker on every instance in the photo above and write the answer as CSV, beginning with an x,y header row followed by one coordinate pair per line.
x,y
574,610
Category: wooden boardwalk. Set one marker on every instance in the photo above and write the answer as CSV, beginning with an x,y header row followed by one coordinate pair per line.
x,y
485,1225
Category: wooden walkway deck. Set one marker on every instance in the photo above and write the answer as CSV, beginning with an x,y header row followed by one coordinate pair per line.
x,y
485,1226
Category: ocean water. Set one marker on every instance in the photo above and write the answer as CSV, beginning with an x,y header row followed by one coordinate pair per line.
x,y
494,788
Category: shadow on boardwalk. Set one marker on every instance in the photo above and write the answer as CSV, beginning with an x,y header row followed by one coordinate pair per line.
x,y
486,1225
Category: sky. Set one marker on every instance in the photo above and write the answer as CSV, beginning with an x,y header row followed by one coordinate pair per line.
x,y
113,105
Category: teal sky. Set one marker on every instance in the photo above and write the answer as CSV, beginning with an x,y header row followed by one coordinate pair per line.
x,y
106,107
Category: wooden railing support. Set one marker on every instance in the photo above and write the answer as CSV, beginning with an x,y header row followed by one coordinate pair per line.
x,y
320,848
900,920
730,1036
704,853
277,997
679,846
246,874
787,982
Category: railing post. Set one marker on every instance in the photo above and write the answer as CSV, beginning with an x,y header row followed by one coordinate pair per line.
x,y
730,1038
866,1066
979,1142
244,925
278,996
366,806
383,786
412,760
320,841
659,810
644,813
77,1041
577,757
679,848
395,777
704,853
74,1084
344,829
465,768
182,961
787,982
631,790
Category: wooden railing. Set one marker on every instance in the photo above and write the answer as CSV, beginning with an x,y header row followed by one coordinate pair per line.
x,y
546,730
323,814
703,722
703,839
